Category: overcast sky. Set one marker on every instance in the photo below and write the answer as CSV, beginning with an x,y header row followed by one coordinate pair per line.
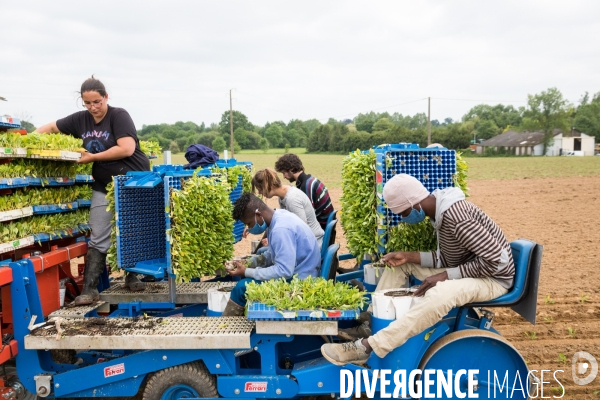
x,y
166,61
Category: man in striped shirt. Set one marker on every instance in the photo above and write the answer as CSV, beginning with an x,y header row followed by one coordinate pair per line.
x,y
292,169
473,263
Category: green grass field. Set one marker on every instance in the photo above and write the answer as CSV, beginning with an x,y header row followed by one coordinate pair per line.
x,y
328,167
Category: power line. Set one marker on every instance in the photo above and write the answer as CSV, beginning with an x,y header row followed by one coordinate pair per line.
x,y
483,101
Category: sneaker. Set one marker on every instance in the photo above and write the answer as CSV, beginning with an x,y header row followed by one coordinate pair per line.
x,y
345,353
358,332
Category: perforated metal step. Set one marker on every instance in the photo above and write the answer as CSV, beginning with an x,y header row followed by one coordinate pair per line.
x,y
144,334
187,293
78,311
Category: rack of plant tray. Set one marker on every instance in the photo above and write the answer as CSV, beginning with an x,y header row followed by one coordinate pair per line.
x,y
303,300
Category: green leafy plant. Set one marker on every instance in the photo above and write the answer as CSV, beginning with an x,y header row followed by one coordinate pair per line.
x,y
232,176
548,320
571,332
562,359
51,141
151,148
412,237
558,390
358,200
531,335
111,254
36,168
201,227
548,300
462,170
305,294
583,298
48,223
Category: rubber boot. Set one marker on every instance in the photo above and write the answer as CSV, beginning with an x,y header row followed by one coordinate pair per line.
x,y
133,283
232,309
95,263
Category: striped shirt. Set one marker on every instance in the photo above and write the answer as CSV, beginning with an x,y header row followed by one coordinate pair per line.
x,y
473,245
318,195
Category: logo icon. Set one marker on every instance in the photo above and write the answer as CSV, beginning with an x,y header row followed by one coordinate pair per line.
x,y
255,387
579,368
117,369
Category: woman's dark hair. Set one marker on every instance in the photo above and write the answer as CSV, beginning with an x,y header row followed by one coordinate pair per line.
x,y
264,181
289,162
93,85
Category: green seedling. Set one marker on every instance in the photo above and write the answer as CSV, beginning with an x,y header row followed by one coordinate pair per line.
x,y
571,331
583,298
548,300
562,359
531,335
558,390
548,319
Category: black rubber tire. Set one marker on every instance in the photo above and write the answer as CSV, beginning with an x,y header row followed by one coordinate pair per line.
x,y
194,375
12,370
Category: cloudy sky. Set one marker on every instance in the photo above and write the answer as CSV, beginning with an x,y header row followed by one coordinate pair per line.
x,y
166,61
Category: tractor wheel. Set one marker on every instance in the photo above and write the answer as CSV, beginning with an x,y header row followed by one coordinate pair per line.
x,y
189,380
13,381
477,349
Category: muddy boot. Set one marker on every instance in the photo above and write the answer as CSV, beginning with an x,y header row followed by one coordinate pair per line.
x,y
233,310
95,263
133,283
358,332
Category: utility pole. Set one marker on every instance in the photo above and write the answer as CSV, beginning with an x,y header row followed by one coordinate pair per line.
x,y
231,122
428,121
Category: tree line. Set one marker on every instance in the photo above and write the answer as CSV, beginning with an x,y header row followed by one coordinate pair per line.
x,y
543,112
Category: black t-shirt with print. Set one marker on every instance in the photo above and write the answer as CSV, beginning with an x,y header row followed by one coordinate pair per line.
x,y
99,137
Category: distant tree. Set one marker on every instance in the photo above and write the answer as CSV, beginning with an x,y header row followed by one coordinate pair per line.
x,y
551,111
310,125
291,137
174,147
263,144
182,141
486,129
365,122
587,118
219,144
501,115
382,124
239,121
448,121
274,135
28,126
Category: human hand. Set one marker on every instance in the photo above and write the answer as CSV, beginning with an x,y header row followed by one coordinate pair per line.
x,y
86,158
239,268
395,259
245,233
430,282
264,242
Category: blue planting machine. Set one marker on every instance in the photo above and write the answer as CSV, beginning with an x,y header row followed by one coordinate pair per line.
x,y
160,345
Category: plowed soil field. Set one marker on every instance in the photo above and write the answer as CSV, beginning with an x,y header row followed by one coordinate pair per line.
x,y
562,214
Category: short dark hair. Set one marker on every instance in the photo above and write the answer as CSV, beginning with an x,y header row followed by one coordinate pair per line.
x,y
93,85
289,162
246,205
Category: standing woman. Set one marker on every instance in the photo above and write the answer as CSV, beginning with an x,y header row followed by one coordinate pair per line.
x,y
267,183
110,138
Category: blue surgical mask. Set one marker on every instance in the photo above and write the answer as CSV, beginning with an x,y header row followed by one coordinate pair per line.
x,y
257,229
414,217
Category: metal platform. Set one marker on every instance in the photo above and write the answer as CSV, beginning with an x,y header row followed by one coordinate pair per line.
x,y
187,293
297,327
77,311
144,334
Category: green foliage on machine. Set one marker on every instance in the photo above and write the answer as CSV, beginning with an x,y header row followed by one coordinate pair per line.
x,y
201,234
51,141
358,214
111,254
36,197
462,170
232,176
305,294
151,148
84,169
47,223
21,168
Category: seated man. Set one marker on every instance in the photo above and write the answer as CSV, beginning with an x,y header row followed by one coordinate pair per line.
x,y
473,263
293,248
292,169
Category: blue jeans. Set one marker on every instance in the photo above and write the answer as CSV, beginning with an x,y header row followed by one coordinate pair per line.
x,y
238,294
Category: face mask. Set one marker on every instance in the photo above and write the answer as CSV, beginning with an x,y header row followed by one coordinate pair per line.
x,y
257,229
414,217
